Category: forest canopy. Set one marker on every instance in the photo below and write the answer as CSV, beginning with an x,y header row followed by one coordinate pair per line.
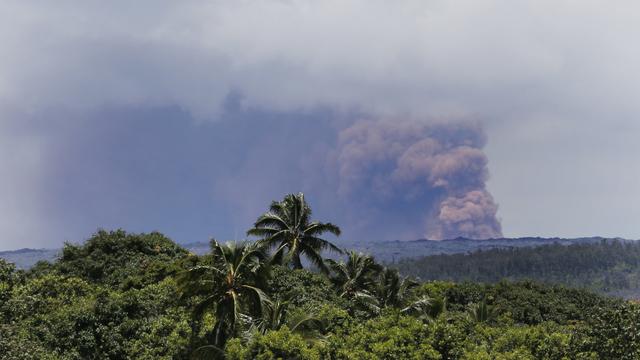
x,y
608,266
141,296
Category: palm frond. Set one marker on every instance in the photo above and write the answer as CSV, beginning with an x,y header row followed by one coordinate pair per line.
x,y
288,223
317,228
208,352
320,244
315,259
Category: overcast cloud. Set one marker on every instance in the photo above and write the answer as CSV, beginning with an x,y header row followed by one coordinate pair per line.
x,y
555,84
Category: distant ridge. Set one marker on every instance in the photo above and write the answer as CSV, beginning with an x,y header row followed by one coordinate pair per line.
x,y
390,251
25,258
385,251
610,266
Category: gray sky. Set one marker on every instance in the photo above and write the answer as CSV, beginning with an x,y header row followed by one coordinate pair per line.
x,y
84,84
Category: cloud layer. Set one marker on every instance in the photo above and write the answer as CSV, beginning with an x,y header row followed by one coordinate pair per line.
x,y
410,56
554,83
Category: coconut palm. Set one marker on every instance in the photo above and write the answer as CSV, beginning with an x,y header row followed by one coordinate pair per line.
x,y
288,227
230,285
426,308
392,290
355,280
357,276
481,312
277,315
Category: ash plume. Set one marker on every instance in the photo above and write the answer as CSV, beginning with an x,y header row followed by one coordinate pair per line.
x,y
435,173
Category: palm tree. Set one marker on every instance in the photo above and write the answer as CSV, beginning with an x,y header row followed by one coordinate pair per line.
x,y
392,290
481,312
288,226
277,315
230,285
426,308
356,277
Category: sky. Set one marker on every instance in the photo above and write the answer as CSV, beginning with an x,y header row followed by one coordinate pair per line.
x,y
398,119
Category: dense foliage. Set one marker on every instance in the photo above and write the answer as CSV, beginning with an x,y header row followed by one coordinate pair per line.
x,y
608,266
141,296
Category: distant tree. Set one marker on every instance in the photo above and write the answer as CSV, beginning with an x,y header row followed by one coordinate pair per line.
x,y
288,227
610,266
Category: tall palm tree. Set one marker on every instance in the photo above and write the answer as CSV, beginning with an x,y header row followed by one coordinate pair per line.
x,y
288,227
230,285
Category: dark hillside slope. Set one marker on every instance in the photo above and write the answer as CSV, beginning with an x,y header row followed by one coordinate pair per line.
x,y
607,266
390,251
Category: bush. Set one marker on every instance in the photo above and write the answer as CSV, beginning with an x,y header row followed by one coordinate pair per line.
x,y
392,336
277,344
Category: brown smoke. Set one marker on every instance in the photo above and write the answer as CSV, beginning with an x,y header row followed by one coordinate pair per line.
x,y
472,215
438,170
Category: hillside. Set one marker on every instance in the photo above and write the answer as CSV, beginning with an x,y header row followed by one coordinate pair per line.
x,y
390,251
607,266
385,251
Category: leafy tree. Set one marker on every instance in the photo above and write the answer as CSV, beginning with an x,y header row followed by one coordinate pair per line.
x,y
543,341
121,259
8,278
450,334
275,345
288,227
390,336
300,287
615,331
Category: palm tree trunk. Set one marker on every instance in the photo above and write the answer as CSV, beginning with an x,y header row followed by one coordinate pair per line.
x,y
296,262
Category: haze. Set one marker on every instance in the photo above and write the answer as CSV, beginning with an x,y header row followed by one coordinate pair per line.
x,y
399,120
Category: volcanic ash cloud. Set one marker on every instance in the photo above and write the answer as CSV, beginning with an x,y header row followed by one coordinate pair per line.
x,y
434,172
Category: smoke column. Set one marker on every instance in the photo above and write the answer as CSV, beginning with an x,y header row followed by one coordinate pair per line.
x,y
433,172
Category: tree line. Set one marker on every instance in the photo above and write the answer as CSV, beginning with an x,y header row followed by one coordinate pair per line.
x,y
610,266
142,296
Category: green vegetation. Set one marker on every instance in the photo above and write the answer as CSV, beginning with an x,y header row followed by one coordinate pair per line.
x,y
608,266
141,296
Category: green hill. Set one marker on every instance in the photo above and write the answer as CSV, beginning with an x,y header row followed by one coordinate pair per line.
x,y
607,266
